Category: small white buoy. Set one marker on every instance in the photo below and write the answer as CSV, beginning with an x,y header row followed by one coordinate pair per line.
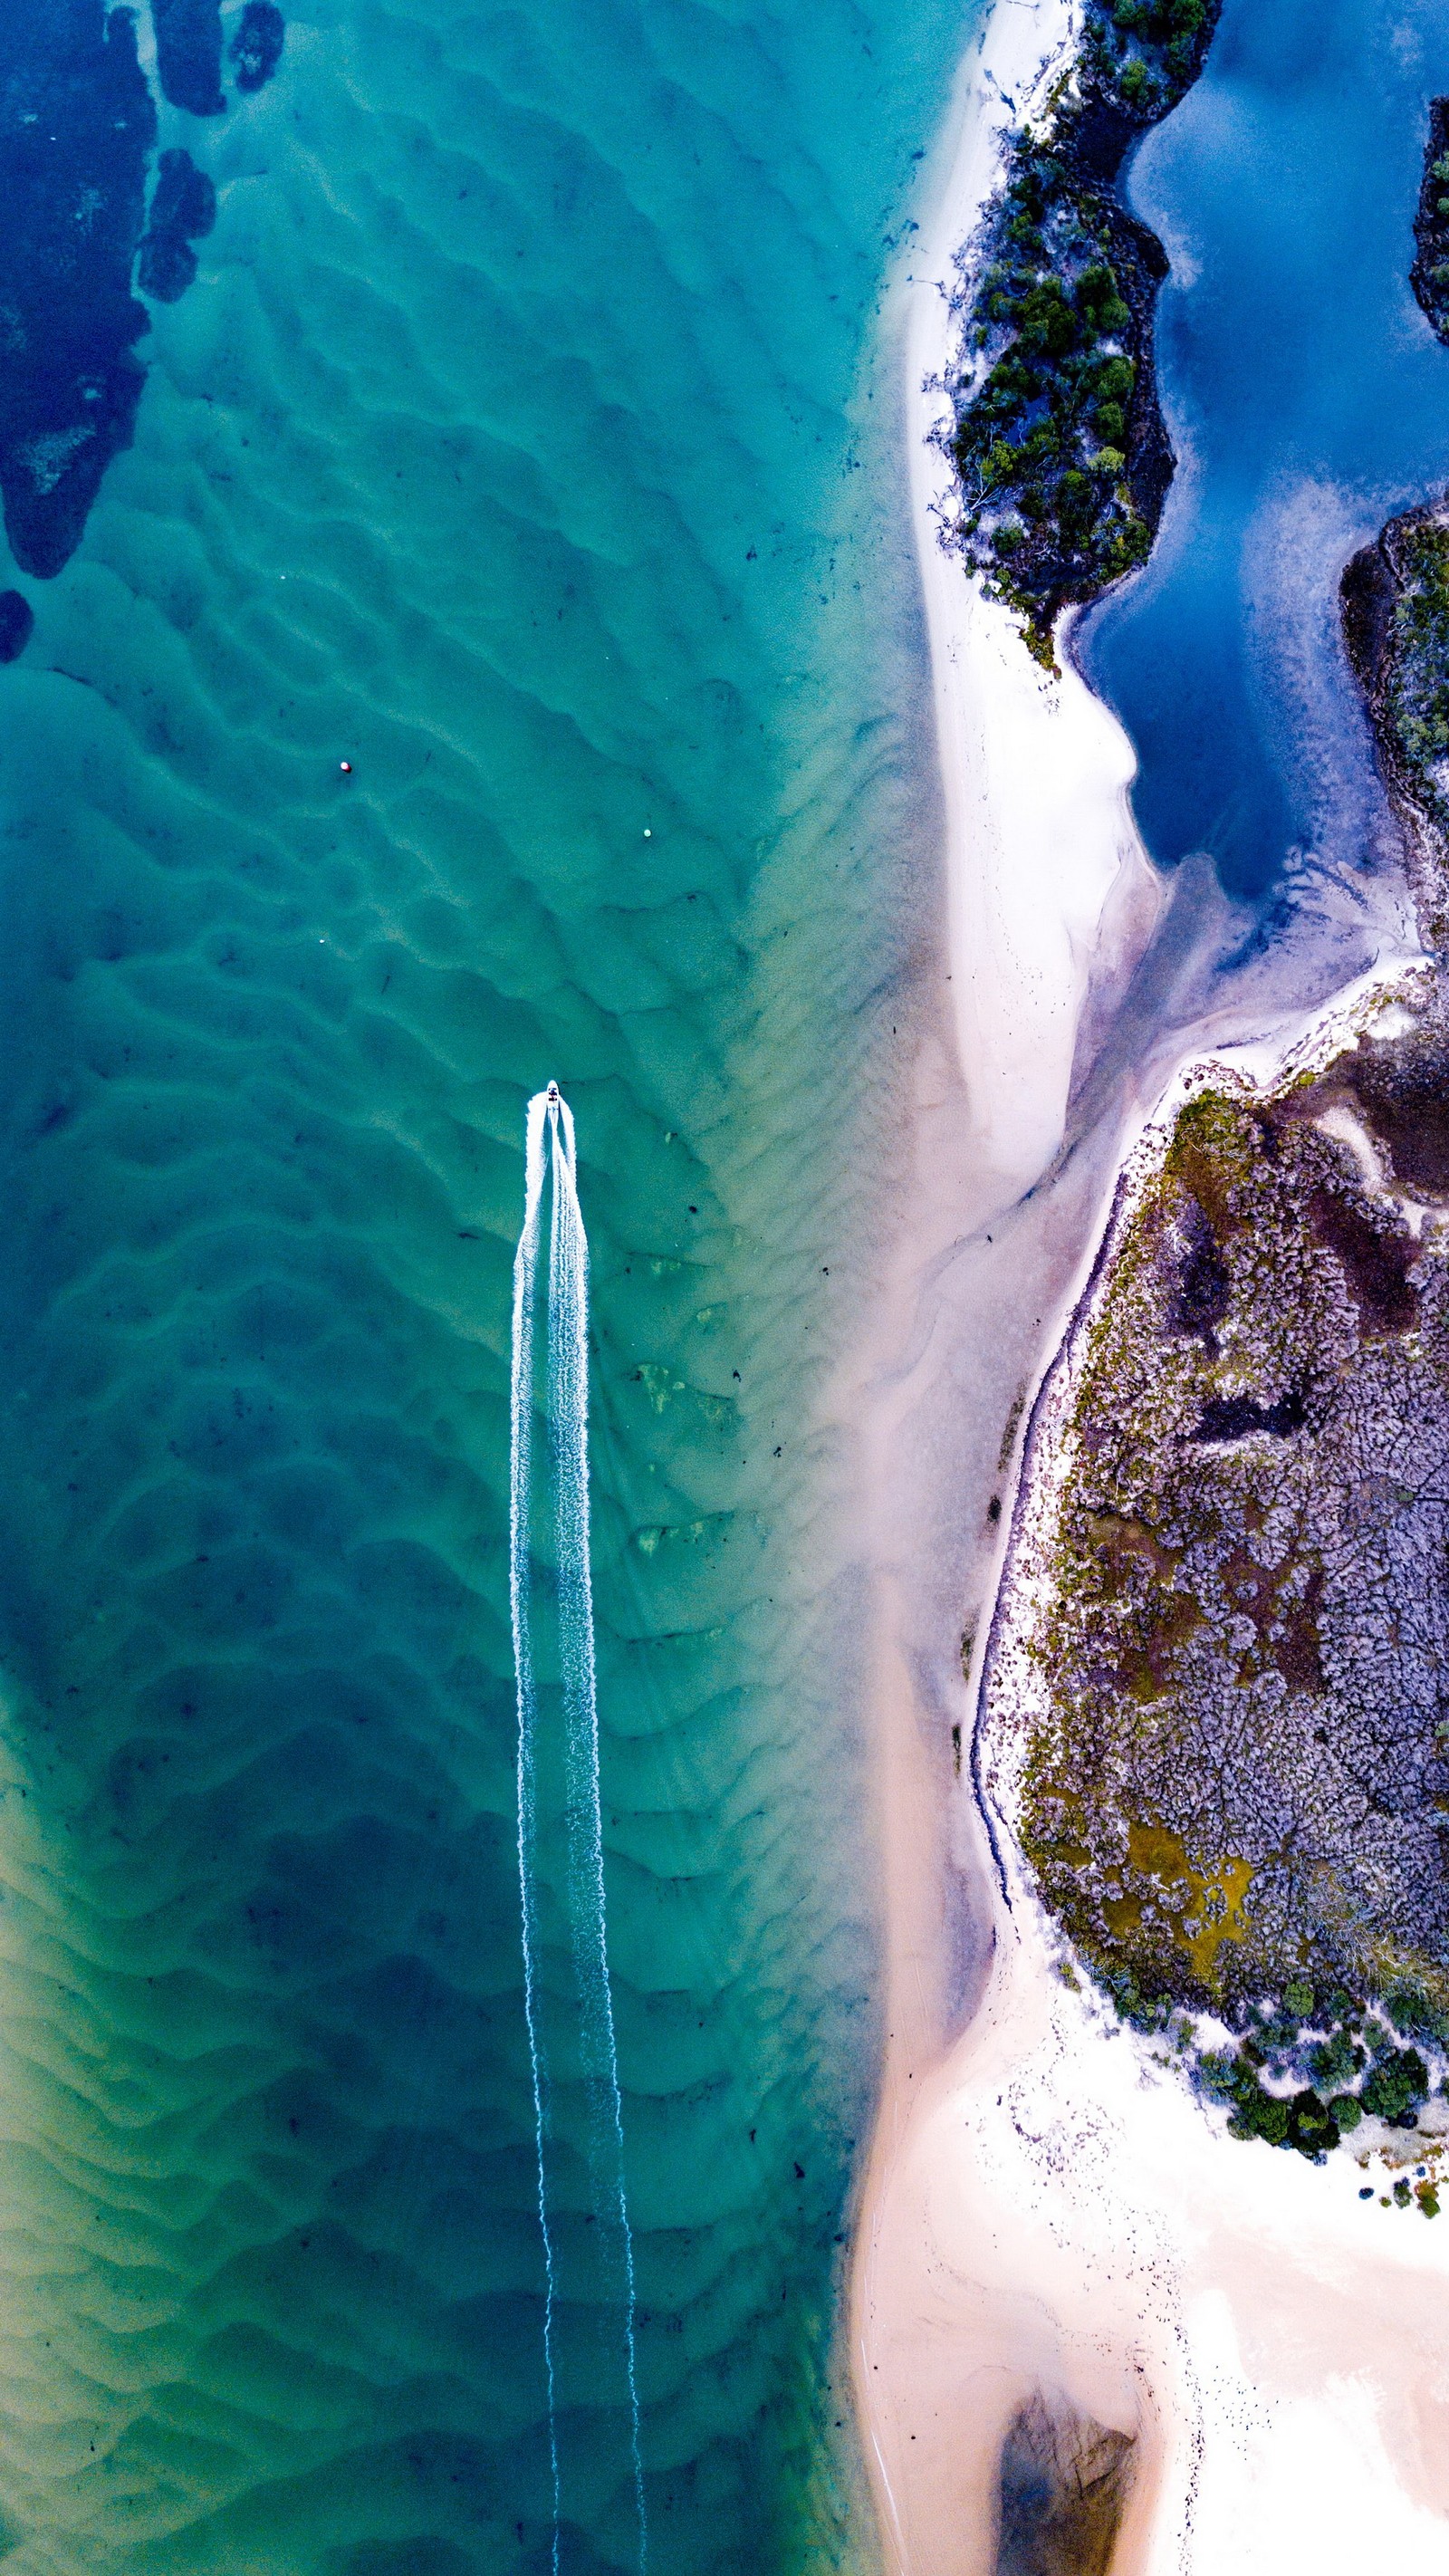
x,y
346,768
648,835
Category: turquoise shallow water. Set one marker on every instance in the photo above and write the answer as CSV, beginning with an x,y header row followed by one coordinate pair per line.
x,y
528,440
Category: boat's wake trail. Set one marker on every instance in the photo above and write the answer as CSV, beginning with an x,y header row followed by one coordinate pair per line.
x,y
565,1382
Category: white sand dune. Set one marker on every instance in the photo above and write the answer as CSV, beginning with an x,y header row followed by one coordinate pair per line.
x,y
1046,2208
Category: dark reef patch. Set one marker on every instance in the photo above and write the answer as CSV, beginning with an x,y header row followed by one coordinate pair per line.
x,y
1064,2483
183,209
77,125
1059,443
1430,272
17,620
188,54
256,48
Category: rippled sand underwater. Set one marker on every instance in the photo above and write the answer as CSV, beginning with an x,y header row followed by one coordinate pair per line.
x,y
528,440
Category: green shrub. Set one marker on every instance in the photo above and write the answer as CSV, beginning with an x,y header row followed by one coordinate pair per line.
x,y
1261,2115
1218,2074
1312,2128
1046,319
1397,2086
1335,2061
1099,300
1410,2010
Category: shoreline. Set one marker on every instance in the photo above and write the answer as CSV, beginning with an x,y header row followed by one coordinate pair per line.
x,y
1050,896
1050,905
1042,2210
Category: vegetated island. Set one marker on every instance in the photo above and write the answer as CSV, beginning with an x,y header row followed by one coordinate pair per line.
x,y
1217,1705
1059,444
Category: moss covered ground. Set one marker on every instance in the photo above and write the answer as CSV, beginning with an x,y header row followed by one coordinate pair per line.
x,y
1236,1792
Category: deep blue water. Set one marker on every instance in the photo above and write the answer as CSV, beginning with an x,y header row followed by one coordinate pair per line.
x,y
1307,398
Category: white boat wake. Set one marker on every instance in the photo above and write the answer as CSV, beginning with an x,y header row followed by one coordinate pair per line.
x,y
550,1154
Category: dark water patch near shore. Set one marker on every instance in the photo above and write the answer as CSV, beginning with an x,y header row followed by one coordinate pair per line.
x,y
1065,2481
77,125
77,130
1306,397
17,623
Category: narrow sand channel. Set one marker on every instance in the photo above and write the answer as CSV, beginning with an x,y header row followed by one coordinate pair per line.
x,y
1044,2210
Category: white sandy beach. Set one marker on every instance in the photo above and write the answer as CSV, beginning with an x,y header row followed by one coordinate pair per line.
x,y
1044,2208
1048,888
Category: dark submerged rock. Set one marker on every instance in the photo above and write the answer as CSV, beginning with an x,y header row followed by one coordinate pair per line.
x,y
188,54
256,48
184,199
17,619
165,267
77,125
183,208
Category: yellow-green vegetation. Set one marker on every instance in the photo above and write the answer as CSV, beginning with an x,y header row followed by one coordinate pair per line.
x,y
1235,1791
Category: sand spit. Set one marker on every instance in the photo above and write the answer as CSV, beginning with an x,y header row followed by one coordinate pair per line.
x,y
1047,2214
1050,896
